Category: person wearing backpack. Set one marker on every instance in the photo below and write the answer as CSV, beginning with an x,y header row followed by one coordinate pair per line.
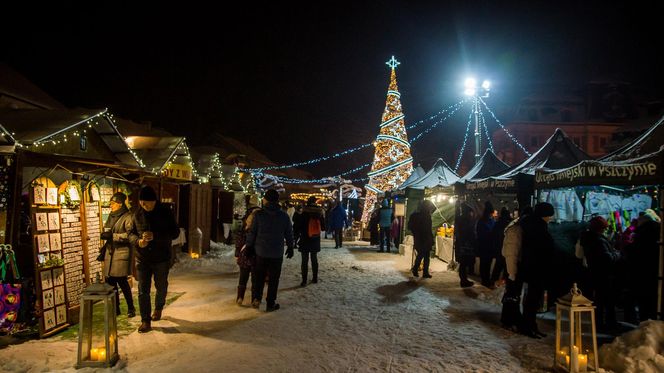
x,y
308,226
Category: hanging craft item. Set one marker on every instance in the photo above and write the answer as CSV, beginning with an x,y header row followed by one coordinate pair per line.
x,y
105,194
93,193
70,194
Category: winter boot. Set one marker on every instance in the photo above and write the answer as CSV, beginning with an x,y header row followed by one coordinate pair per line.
x,y
240,295
145,327
156,315
314,280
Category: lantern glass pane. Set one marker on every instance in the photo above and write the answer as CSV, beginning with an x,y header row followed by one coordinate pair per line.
x,y
85,330
563,354
586,347
112,327
98,347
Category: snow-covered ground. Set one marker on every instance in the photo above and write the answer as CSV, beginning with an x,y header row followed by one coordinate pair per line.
x,y
365,315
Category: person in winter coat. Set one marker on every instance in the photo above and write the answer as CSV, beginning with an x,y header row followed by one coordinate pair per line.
x,y
155,227
395,231
510,316
420,224
373,225
309,244
642,264
537,250
245,256
601,258
385,222
485,243
269,228
498,234
118,251
338,222
464,244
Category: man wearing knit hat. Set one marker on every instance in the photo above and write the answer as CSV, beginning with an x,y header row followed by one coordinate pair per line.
x,y
156,228
270,227
537,250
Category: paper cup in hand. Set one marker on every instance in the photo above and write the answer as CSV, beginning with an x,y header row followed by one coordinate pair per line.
x,y
148,236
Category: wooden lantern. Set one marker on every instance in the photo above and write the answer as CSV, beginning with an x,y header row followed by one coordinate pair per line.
x,y
97,346
576,336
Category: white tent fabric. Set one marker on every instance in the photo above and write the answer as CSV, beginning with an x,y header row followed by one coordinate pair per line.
x,y
439,175
418,172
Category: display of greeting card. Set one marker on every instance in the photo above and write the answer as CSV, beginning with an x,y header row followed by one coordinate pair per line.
x,y
58,276
41,221
46,279
39,193
43,243
55,242
59,293
94,193
41,258
73,194
53,221
61,314
49,319
52,196
47,299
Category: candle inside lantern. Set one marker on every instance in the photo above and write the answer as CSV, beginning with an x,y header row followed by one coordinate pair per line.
x,y
94,354
575,359
102,354
195,255
567,361
583,363
562,354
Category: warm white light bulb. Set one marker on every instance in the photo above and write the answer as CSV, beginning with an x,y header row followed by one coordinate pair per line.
x,y
486,84
470,82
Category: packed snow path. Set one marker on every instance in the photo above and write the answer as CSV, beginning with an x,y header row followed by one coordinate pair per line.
x,y
364,315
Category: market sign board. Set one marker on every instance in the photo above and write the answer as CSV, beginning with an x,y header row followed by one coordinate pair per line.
x,y
491,184
597,173
178,171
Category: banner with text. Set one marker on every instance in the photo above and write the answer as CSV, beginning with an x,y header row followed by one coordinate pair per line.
x,y
599,173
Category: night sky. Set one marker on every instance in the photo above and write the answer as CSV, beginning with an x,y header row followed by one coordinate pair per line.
x,y
305,80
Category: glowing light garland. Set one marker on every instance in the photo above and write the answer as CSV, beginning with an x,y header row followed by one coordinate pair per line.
x,y
505,129
465,139
486,129
455,108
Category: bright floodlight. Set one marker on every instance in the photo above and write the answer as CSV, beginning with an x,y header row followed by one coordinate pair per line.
x,y
470,83
486,84
469,92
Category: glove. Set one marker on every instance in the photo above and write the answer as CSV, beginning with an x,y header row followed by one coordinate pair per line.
x,y
289,253
106,236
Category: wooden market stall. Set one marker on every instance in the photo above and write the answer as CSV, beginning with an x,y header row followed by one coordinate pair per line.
x,y
65,165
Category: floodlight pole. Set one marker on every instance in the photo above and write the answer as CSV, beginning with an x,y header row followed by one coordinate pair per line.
x,y
478,138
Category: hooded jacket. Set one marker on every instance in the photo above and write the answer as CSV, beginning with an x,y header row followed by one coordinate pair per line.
x,y
270,227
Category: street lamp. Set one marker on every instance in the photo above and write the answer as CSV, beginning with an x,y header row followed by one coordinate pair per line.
x,y
476,92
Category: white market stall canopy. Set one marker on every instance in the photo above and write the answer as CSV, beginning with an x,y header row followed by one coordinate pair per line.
x,y
440,175
417,173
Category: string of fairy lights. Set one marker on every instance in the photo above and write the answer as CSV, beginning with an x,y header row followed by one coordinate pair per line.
x,y
452,108
486,128
465,140
511,137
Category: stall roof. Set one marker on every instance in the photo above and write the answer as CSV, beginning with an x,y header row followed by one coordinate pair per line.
x,y
648,142
156,151
488,165
558,152
33,126
439,175
417,173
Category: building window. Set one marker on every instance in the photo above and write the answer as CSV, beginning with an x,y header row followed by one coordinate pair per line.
x,y
596,144
566,115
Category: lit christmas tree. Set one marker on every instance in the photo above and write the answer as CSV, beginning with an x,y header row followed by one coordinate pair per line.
x,y
392,162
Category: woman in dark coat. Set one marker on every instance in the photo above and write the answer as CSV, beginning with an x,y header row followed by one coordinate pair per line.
x,y
373,225
420,224
601,259
309,243
118,251
464,244
245,256
485,243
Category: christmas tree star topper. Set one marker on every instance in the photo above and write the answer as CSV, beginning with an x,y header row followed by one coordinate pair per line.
x,y
393,63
